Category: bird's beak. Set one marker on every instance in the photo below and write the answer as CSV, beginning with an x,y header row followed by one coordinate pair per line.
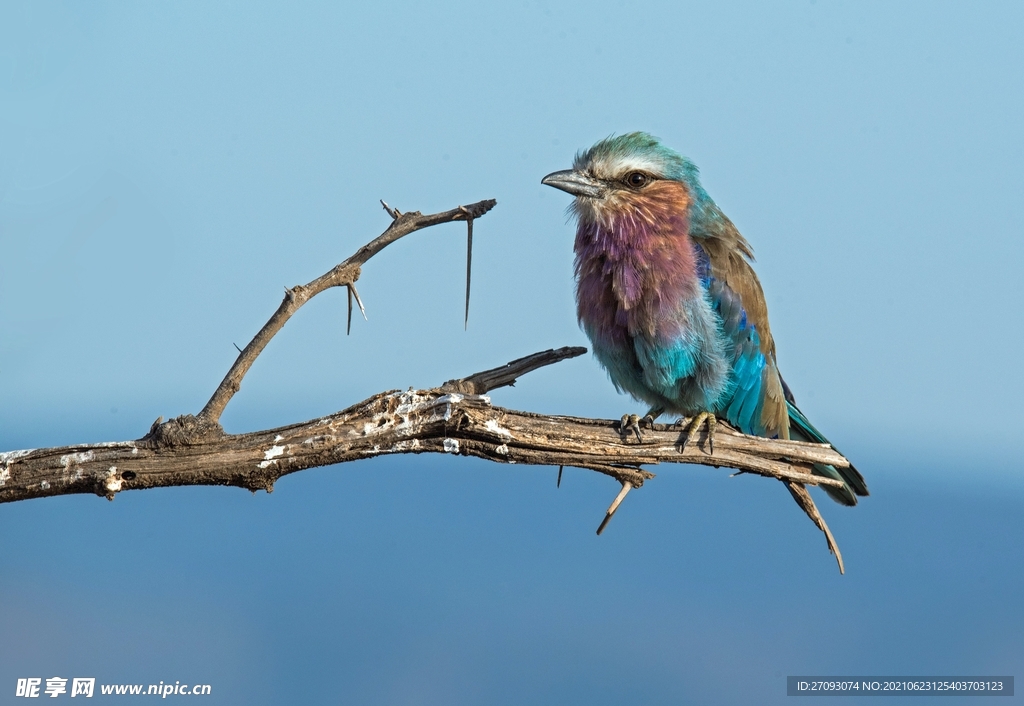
x,y
575,183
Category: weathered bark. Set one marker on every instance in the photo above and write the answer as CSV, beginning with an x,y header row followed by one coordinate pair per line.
x,y
455,418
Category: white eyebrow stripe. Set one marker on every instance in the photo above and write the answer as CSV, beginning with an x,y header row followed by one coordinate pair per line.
x,y
618,165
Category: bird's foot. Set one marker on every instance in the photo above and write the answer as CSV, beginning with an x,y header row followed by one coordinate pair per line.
x,y
634,423
694,426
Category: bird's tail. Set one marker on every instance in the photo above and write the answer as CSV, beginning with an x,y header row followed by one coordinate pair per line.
x,y
802,430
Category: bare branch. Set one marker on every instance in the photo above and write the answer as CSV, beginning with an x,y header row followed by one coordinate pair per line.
x,y
440,420
344,274
413,421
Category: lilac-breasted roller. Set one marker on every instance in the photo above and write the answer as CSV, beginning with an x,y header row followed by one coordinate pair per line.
x,y
667,295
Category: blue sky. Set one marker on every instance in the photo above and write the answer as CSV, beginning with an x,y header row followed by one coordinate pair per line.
x,y
166,170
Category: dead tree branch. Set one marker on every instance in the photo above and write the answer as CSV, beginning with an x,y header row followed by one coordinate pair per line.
x,y
344,274
455,418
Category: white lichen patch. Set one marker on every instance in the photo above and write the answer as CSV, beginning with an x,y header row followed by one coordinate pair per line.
x,y
409,403
403,446
113,481
449,400
270,454
44,485
451,446
5,475
412,401
503,450
8,457
492,426
70,461
278,438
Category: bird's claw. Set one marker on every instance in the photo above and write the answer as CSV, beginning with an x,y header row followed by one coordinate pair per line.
x,y
634,423
694,426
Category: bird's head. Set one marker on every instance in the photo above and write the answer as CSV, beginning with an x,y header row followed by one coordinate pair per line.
x,y
624,173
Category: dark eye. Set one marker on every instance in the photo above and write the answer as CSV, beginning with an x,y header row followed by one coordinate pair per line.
x,y
637,179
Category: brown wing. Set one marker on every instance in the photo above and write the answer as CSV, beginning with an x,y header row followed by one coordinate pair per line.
x,y
730,257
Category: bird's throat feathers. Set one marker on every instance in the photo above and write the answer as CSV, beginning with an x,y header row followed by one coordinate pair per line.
x,y
636,267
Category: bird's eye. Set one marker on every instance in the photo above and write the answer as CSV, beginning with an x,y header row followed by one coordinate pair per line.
x,y
637,179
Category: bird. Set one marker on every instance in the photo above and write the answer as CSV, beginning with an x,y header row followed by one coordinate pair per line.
x,y
667,294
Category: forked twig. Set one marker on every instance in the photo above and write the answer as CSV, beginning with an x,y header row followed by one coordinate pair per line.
x,y
344,274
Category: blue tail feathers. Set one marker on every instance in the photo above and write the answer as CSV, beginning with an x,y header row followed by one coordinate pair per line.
x,y
800,428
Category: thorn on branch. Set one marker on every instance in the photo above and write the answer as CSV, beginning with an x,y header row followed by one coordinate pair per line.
x,y
469,259
393,212
558,484
354,292
626,487
236,347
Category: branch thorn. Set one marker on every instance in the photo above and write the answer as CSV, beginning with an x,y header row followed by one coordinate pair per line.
x,y
469,259
393,212
348,328
559,483
626,487
353,292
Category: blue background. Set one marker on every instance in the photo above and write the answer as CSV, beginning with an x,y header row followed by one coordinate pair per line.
x,y
166,170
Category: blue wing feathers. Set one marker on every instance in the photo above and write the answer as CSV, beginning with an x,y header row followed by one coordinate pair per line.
x,y
743,409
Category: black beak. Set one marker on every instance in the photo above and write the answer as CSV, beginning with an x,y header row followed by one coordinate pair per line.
x,y
575,183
